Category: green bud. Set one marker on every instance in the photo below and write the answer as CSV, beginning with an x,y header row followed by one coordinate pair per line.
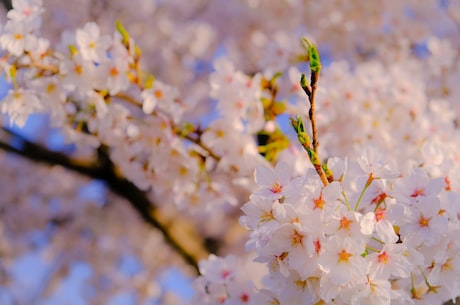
x,y
278,108
328,172
276,76
72,49
297,123
13,72
302,136
294,124
303,81
265,102
313,55
314,158
123,32
137,51
305,86
148,82
273,149
187,128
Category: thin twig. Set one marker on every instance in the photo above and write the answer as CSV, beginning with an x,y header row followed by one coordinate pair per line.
x,y
128,98
310,90
311,113
39,65
304,140
202,146
175,129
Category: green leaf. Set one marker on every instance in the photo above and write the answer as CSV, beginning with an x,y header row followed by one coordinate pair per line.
x,y
187,128
148,80
313,55
13,72
303,81
73,49
302,136
276,76
123,32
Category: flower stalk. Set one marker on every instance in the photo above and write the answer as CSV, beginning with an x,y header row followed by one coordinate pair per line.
x,y
311,145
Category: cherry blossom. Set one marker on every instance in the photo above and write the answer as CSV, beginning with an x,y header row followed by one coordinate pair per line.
x,y
19,104
181,109
159,95
391,260
275,184
92,46
17,38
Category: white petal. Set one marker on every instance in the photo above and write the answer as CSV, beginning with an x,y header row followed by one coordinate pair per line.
x,y
283,173
368,223
264,176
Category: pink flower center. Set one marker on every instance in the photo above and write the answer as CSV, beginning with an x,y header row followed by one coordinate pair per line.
x,y
417,192
382,258
276,188
447,181
225,274
379,198
239,105
317,244
295,88
27,12
379,214
244,297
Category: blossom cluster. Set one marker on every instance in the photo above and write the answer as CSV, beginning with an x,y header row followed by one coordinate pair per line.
x,y
95,91
370,237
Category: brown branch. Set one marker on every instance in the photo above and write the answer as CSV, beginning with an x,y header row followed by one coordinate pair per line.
x,y
7,4
202,146
128,98
314,84
38,65
190,247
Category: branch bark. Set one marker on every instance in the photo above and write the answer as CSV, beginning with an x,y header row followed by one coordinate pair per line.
x,y
177,233
7,4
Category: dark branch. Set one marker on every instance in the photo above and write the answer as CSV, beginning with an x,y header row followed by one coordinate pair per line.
x,y
104,170
7,4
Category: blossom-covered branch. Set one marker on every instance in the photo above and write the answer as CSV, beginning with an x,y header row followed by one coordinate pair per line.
x,y
188,245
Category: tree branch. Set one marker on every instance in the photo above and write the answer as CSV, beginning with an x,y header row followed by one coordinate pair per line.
x,y
7,4
185,242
